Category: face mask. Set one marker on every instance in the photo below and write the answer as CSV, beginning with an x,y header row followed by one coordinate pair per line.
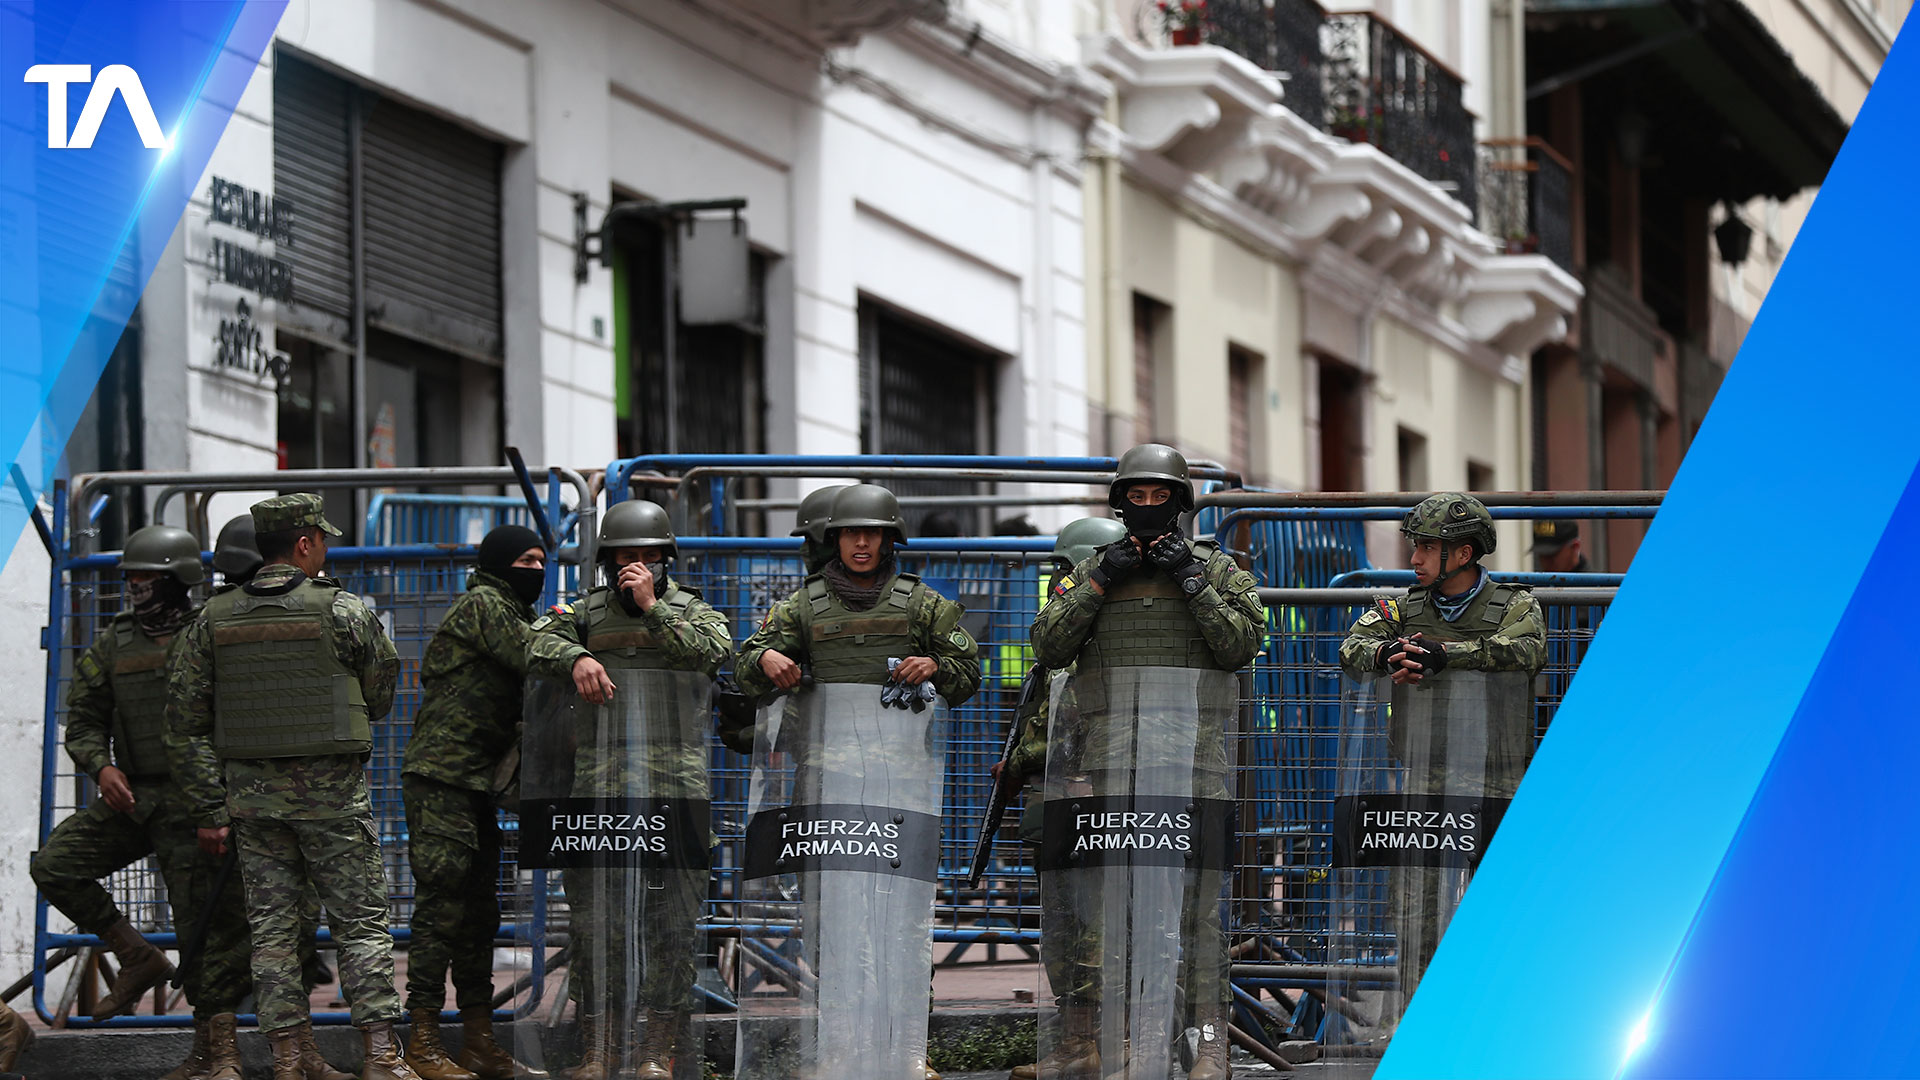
x,y
527,582
144,594
1148,522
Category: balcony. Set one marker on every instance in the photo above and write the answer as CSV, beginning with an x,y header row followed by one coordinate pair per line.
x,y
1355,76
1526,198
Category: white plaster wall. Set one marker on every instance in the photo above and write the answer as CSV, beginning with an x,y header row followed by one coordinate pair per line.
x,y
23,611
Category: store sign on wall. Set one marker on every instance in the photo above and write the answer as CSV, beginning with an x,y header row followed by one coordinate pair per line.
x,y
241,348
241,207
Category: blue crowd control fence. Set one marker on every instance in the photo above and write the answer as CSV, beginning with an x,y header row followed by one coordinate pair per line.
x,y
1287,734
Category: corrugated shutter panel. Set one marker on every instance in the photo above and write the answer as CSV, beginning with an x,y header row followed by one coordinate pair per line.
x,y
310,172
432,216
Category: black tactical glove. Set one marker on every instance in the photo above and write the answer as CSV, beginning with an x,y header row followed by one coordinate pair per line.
x,y
1117,560
1430,655
1174,555
1384,657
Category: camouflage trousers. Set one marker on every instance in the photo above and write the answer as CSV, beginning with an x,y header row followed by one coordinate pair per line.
x,y
341,857
454,846
633,935
98,841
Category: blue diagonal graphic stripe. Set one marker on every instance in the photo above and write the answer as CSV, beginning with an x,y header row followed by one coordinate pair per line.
x,y
82,228
1556,959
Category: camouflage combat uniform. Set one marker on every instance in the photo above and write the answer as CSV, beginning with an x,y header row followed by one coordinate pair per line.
x,y
116,714
1501,629
680,632
1069,944
296,816
797,624
1221,627
469,718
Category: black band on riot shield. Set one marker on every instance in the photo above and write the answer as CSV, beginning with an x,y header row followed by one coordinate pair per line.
x,y
839,836
661,833
1136,830
1414,830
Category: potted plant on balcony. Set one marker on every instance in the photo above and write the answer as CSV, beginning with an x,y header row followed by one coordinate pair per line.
x,y
1185,20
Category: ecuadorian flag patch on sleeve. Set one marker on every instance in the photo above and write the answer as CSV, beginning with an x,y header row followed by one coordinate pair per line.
x,y
1066,582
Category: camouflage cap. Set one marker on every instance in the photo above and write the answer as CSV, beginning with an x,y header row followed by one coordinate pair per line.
x,y
1549,536
296,511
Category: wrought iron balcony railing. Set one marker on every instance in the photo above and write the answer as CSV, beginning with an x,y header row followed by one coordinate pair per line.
x,y
1351,75
1526,198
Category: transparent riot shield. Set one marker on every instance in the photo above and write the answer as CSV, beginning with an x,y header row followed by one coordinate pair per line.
x,y
614,810
1425,772
1134,854
834,968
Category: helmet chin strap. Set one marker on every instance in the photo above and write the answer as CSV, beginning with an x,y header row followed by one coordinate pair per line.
x,y
1446,556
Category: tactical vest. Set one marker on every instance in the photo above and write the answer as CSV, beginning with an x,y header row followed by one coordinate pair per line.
x,y
848,646
139,681
1417,613
1146,621
621,641
279,688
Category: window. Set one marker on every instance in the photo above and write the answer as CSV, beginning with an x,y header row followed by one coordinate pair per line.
x,y
1342,450
405,207
1413,461
924,392
109,435
717,394
1479,477
1152,334
1246,409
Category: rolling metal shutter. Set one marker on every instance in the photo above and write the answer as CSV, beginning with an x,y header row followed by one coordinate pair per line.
x,y
311,173
432,218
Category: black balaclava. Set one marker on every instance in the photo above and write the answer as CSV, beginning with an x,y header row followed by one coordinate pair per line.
x,y
160,606
1151,522
500,548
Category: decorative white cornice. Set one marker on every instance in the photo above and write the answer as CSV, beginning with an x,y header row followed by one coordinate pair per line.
x,y
1072,91
1191,105
844,22
1351,214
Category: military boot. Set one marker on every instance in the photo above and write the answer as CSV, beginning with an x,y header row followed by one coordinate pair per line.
x,y
223,1048
1077,1055
286,1054
142,967
195,1067
313,1061
596,1056
480,1053
1211,1063
383,1059
424,1051
15,1036
653,1060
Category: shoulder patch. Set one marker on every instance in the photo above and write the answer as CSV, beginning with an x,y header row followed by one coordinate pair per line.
x,y
1066,582
960,639
88,666
1389,608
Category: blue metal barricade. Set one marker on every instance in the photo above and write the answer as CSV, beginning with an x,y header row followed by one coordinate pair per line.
x,y
1288,730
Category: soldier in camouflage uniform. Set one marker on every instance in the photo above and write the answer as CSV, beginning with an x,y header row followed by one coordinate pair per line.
x,y
117,703
15,1037
644,621
1455,617
1155,599
1069,947
273,697
471,680
855,613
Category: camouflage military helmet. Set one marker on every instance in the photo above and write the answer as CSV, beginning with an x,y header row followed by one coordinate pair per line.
x,y
236,553
1080,539
1151,463
867,506
810,520
637,523
1450,517
167,550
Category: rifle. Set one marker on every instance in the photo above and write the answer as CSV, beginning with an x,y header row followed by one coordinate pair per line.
x,y
196,944
1007,787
